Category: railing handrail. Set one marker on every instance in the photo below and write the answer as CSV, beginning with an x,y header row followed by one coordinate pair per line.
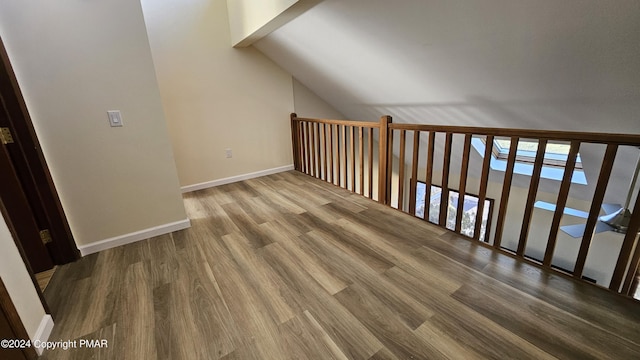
x,y
359,123
558,135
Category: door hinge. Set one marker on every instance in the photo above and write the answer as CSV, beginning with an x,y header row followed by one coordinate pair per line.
x,y
5,135
45,236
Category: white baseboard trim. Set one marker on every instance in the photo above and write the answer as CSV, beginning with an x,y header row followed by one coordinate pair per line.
x,y
133,237
229,180
43,332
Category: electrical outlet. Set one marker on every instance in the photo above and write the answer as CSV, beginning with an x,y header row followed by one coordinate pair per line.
x,y
229,153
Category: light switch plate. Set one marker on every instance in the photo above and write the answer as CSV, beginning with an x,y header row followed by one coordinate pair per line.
x,y
115,118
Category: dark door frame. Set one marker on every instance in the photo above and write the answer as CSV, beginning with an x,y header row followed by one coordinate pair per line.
x,y
18,211
31,165
16,325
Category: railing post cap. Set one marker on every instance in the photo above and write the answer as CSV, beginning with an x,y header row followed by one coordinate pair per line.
x,y
386,118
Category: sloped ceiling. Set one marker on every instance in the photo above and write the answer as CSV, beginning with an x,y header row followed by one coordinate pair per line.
x,y
570,65
565,64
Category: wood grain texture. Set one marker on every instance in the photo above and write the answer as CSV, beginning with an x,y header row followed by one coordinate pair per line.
x,y
482,192
531,196
618,139
561,202
429,174
383,142
414,173
291,267
401,165
370,160
594,212
361,160
462,188
446,166
506,190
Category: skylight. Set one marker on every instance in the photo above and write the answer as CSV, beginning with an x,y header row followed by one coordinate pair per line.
x,y
555,154
555,158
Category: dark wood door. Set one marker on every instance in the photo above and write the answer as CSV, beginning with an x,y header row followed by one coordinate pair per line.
x,y
11,327
26,184
7,333
21,216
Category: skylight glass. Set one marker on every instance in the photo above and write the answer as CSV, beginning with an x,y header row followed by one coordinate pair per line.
x,y
524,145
555,153
554,162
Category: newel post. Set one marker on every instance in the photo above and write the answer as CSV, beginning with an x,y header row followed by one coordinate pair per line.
x,y
383,150
295,141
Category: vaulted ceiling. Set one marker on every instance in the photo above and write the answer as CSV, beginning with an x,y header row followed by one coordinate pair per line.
x,y
565,64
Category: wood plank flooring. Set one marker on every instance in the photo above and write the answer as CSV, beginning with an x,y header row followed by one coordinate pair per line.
x,y
290,267
44,277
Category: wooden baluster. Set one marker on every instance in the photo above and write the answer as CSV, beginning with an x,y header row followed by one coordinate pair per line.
x,y
627,245
319,152
352,156
561,203
531,197
444,195
306,148
294,142
338,156
632,273
331,159
300,129
506,189
403,139
383,149
361,155
389,167
301,144
414,173
324,148
313,150
345,164
429,175
370,159
462,188
596,204
482,196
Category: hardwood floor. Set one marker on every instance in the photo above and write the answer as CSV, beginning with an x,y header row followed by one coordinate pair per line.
x,y
289,267
44,277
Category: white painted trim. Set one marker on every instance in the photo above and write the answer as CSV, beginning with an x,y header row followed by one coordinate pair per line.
x,y
43,332
229,180
133,237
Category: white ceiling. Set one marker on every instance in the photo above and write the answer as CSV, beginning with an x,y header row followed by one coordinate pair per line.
x,y
541,64
554,64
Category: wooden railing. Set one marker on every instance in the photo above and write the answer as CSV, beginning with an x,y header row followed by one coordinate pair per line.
x,y
359,156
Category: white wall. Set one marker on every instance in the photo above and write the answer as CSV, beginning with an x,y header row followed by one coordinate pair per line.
x,y
16,279
308,104
75,60
217,97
